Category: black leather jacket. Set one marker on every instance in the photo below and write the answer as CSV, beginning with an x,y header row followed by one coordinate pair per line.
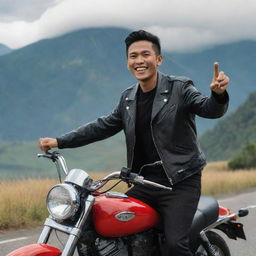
x,y
173,125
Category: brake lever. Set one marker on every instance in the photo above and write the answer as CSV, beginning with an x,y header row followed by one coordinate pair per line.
x,y
141,180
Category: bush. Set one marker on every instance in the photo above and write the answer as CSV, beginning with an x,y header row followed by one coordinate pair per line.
x,y
245,159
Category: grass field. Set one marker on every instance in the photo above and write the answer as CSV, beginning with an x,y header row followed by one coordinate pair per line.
x,y
22,202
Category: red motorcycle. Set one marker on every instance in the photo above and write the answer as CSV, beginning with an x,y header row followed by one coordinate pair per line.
x,y
113,224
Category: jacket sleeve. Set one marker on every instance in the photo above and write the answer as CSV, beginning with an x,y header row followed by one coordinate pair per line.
x,y
213,106
99,129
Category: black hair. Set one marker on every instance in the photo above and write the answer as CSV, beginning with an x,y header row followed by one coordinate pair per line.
x,y
143,35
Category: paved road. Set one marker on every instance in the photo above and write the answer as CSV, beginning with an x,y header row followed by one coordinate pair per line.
x,y
243,247
14,239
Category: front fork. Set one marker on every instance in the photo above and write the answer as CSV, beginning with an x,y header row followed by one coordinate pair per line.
x,y
73,232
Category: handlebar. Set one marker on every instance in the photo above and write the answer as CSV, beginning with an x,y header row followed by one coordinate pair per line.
x,y
58,159
125,174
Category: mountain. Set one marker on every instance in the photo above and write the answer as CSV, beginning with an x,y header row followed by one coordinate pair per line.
x,y
231,133
18,160
4,49
54,85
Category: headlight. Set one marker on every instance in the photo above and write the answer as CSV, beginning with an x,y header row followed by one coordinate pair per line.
x,y
62,201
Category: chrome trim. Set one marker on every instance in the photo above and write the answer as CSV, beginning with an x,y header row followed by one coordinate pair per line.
x,y
125,216
140,180
100,183
50,222
74,232
114,194
79,177
61,164
45,234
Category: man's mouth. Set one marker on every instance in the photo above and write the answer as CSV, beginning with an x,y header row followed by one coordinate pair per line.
x,y
140,68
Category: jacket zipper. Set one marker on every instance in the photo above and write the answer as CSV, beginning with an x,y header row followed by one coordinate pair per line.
x,y
169,178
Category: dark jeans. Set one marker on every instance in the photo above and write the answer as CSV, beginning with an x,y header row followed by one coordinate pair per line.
x,y
176,209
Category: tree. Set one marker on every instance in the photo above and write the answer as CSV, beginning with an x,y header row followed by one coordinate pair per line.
x,y
245,159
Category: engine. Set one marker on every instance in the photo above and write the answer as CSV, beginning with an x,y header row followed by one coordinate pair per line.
x,y
141,244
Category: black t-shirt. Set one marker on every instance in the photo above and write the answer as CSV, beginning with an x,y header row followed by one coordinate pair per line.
x,y
145,151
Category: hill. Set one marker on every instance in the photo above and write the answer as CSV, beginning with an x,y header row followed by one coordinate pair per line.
x,y
231,133
54,85
4,49
19,160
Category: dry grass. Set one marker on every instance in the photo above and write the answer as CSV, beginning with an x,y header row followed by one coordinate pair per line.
x,y
217,179
22,203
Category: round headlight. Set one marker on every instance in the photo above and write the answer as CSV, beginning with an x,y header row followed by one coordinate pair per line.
x,y
62,201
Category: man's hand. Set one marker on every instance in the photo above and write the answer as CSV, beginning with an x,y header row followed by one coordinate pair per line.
x,y
220,80
46,144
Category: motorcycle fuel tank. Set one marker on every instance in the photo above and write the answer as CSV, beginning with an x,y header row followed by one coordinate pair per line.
x,y
119,215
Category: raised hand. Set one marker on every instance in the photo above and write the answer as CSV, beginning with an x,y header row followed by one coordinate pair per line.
x,y
219,81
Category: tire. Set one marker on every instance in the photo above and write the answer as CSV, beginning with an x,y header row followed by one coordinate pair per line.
x,y
218,243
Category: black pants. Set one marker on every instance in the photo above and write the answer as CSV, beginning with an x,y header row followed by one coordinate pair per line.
x,y
176,209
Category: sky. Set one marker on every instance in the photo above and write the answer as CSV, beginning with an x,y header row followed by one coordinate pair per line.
x,y
182,25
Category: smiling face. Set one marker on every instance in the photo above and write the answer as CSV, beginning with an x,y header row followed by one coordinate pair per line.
x,y
142,61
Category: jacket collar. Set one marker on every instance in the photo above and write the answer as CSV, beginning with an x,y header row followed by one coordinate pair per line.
x,y
161,97
162,87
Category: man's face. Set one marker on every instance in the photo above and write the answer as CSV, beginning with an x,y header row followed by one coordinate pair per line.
x,y
142,60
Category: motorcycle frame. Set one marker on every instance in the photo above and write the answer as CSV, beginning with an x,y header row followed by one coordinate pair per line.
x,y
73,232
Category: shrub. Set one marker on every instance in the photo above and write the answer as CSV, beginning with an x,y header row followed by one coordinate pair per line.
x,y
245,159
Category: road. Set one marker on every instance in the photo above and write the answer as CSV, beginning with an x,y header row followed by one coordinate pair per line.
x,y
10,240
243,247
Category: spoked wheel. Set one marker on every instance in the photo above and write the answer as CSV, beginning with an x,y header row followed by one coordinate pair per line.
x,y
218,243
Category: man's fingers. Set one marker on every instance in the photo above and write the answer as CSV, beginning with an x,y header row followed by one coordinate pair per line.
x,y
216,70
221,77
44,144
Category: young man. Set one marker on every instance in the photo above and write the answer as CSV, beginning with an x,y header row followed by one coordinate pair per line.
x,y
157,115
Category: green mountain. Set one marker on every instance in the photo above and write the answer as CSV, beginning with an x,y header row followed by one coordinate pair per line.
x,y
4,49
54,85
231,133
19,160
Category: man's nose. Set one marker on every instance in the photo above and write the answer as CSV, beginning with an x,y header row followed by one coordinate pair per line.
x,y
140,59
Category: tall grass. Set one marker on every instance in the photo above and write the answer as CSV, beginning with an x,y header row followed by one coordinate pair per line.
x,y
22,203
217,179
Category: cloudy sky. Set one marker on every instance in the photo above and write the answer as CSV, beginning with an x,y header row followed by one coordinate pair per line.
x,y
182,25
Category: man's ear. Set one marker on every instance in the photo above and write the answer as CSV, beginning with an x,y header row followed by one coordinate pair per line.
x,y
159,60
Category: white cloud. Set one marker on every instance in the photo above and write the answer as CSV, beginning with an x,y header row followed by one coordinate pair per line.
x,y
182,25
27,10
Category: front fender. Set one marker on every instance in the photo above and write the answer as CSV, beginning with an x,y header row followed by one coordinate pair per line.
x,y
36,250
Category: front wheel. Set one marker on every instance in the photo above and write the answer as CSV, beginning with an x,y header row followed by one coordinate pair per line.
x,y
218,243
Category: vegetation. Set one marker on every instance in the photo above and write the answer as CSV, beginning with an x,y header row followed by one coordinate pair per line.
x,y
245,159
229,135
18,160
23,201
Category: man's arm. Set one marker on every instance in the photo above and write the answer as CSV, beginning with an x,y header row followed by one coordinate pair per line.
x,y
209,107
99,129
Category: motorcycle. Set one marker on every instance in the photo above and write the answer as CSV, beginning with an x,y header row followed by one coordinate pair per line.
x,y
113,224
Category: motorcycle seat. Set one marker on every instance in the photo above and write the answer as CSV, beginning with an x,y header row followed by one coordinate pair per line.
x,y
206,214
